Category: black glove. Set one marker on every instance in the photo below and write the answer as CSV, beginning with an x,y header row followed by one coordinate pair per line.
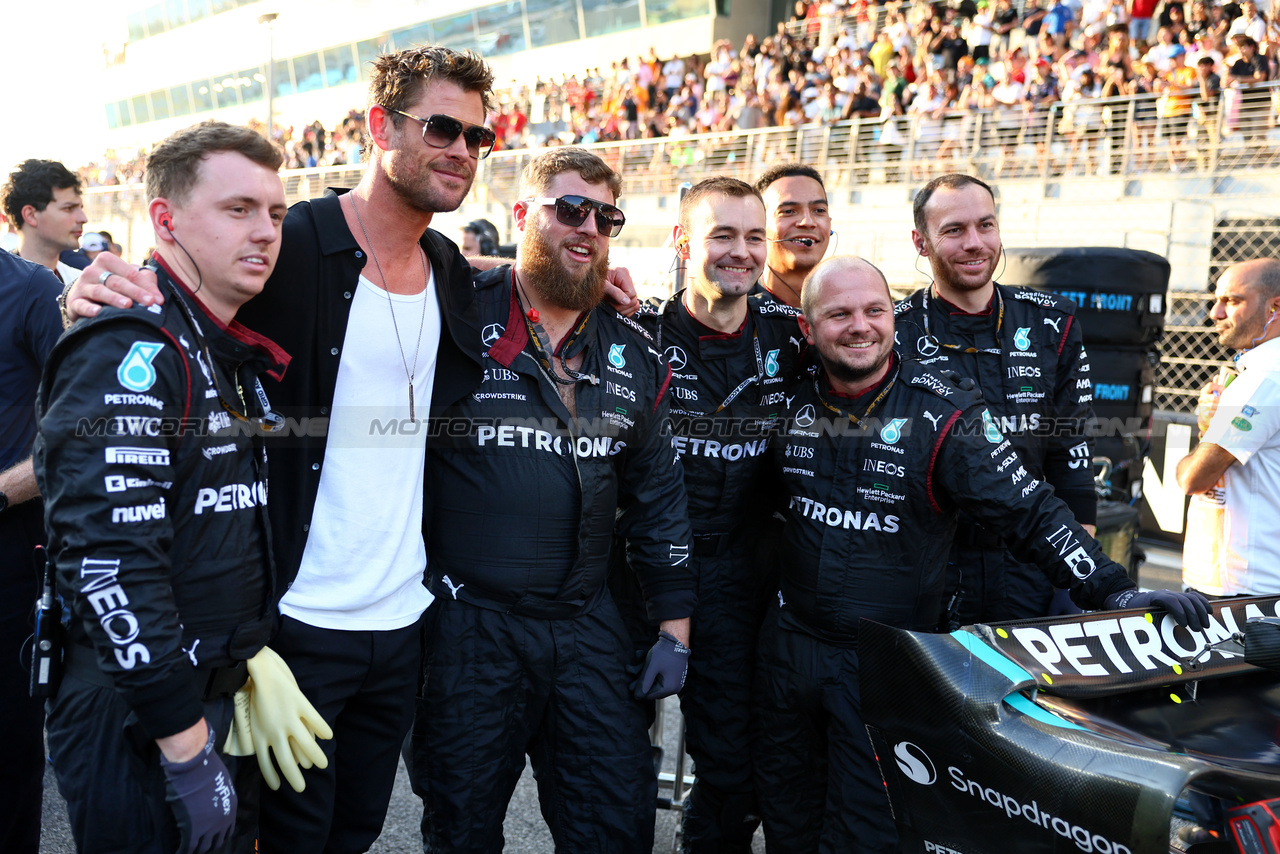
x,y
1190,609
1061,604
200,793
664,669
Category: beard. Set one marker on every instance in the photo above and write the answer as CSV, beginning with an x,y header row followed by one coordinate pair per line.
x,y
952,276
847,373
542,268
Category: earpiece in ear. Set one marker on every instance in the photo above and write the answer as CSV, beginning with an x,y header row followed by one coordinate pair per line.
x,y
166,221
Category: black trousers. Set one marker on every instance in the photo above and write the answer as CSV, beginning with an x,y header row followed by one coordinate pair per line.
x,y
108,770
721,813
994,586
363,684
21,717
819,786
500,686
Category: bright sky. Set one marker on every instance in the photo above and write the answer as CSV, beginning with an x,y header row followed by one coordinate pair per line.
x,y
54,55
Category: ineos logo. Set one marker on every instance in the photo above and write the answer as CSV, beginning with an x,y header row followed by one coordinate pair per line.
x,y
492,333
676,358
806,416
913,762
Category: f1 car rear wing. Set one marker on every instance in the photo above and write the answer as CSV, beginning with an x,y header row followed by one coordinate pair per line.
x,y
1107,652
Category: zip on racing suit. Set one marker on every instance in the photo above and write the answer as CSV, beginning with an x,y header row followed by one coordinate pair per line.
x,y
525,648
1027,355
726,392
155,501
874,485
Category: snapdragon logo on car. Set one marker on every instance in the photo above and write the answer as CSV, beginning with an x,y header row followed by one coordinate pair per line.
x,y
1083,838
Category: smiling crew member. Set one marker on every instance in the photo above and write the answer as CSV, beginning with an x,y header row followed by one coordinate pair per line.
x,y
154,478
798,228
526,652
1025,351
876,457
731,355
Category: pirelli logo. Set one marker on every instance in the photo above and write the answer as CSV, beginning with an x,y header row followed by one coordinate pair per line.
x,y
138,456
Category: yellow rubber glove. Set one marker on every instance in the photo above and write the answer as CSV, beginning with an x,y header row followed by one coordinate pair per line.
x,y
240,739
283,722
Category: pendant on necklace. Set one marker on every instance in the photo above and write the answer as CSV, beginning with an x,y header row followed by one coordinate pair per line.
x,y
411,400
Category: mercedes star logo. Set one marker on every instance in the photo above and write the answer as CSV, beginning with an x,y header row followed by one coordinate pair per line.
x,y
492,333
806,416
676,358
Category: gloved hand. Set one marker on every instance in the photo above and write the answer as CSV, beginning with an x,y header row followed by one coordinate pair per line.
x,y
1061,605
283,722
664,669
203,800
1190,609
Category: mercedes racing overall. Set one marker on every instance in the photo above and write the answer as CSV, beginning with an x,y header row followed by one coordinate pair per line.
x,y
726,391
874,484
1027,356
155,501
525,648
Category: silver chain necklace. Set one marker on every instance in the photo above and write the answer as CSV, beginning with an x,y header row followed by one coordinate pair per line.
x,y
409,372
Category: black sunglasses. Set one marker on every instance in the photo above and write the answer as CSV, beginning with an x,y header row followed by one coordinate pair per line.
x,y
572,211
439,131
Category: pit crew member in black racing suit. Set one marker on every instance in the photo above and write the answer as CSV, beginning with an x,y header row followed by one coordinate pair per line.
x,y
1025,351
731,355
877,457
525,650
153,469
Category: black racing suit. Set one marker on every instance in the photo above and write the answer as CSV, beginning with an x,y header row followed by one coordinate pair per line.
x,y
871,511
726,392
155,502
525,648
1027,356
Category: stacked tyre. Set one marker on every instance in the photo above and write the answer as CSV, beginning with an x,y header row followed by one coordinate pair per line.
x,y
1120,302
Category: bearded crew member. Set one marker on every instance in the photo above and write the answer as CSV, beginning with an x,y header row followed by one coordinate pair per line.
x,y
798,228
157,519
526,652
1025,351
876,456
731,355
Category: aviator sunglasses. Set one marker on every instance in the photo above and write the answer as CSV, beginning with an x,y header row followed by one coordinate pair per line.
x,y
439,131
572,211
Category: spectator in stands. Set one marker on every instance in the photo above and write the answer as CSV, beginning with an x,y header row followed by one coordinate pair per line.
x,y
1250,23
1245,73
1176,88
1140,12
1005,22
42,200
1059,23
92,242
1161,53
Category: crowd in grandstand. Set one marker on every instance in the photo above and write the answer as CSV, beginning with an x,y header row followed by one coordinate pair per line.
x,y
921,70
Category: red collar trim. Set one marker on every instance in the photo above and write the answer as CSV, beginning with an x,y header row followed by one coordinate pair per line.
x,y
958,311
235,329
516,335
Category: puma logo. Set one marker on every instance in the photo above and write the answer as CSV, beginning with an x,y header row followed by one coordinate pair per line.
x,y
453,588
782,603
798,342
1054,323
191,653
934,418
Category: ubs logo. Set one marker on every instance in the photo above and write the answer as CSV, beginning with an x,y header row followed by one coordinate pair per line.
x,y
914,763
676,358
492,333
